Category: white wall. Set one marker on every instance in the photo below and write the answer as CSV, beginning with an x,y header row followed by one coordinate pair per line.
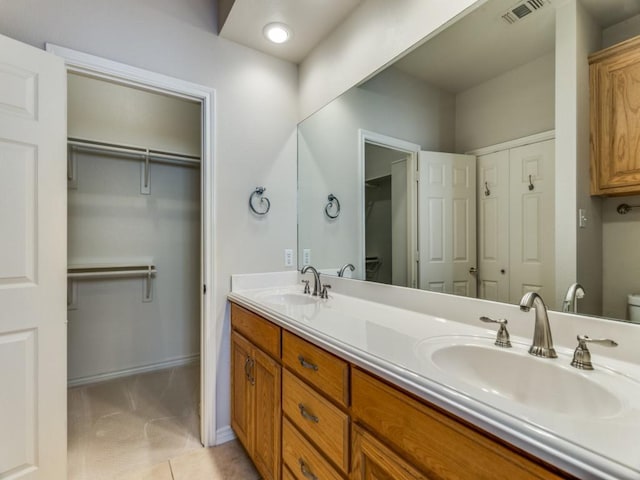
x,y
256,116
375,33
110,329
329,162
589,250
513,105
621,255
132,116
621,31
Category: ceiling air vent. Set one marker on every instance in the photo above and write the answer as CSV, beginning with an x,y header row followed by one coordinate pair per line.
x,y
522,9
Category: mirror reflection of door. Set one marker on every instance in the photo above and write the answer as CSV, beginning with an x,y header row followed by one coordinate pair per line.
x,y
447,222
388,215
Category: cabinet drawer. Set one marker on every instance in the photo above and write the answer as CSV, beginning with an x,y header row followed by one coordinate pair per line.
x,y
432,441
325,371
324,423
259,331
302,459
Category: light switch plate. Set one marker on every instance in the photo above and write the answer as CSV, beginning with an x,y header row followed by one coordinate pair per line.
x,y
582,218
306,256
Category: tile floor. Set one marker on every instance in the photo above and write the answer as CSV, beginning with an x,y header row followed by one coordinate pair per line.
x,y
146,427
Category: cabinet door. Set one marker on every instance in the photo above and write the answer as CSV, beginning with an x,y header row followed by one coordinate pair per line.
x,y
242,391
615,161
266,453
373,461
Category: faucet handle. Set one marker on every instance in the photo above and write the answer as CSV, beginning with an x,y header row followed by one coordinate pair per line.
x,y
306,286
502,338
324,293
582,355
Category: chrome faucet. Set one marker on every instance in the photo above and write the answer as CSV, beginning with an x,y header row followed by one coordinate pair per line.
x,y
542,345
316,278
575,291
344,268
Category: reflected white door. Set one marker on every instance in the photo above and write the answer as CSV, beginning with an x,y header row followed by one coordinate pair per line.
x,y
532,220
447,222
493,226
33,219
400,194
515,222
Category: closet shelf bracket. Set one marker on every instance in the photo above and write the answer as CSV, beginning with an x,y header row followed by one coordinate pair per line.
x,y
145,175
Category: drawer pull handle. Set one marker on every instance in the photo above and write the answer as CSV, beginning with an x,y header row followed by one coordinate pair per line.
x,y
248,366
307,415
305,470
306,364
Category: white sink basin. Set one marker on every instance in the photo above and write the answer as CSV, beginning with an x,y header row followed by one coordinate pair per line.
x,y
549,385
289,298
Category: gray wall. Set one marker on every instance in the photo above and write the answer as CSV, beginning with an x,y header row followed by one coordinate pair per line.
x,y
111,330
394,104
513,105
256,116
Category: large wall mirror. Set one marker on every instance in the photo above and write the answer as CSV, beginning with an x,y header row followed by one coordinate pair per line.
x,y
442,172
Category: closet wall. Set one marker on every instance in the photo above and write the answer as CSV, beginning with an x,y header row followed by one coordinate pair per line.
x,y
113,329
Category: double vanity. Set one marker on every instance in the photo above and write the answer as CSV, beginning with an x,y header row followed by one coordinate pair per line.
x,y
377,381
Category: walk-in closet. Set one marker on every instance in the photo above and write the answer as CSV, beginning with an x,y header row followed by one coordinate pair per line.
x,y
134,277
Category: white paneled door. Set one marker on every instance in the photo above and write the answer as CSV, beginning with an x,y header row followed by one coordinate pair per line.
x,y
532,220
447,222
516,191
33,226
493,226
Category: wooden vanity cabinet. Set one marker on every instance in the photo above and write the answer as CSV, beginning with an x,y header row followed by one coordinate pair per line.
x,y
317,416
316,423
615,119
431,441
256,379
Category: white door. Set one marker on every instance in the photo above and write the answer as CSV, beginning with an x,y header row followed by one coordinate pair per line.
x,y
447,222
532,219
33,256
493,226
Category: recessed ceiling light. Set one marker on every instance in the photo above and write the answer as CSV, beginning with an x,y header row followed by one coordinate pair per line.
x,y
277,32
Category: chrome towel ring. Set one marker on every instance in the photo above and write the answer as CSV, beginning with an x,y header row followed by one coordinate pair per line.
x,y
259,191
333,203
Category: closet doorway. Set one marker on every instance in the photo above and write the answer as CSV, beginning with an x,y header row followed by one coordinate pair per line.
x,y
139,252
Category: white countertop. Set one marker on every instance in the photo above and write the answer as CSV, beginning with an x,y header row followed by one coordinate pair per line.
x,y
390,341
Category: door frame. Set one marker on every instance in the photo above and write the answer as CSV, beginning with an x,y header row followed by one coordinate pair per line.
x,y
412,149
83,63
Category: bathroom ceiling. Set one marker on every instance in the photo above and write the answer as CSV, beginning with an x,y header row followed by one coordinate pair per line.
x,y
482,40
482,45
309,20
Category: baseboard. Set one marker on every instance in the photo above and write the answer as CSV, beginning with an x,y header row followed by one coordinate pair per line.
x,y
101,377
224,435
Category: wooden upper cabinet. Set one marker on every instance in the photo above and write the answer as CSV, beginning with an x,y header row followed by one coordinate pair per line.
x,y
615,119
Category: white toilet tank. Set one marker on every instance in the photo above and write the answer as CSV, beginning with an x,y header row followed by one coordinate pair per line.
x,y
634,307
